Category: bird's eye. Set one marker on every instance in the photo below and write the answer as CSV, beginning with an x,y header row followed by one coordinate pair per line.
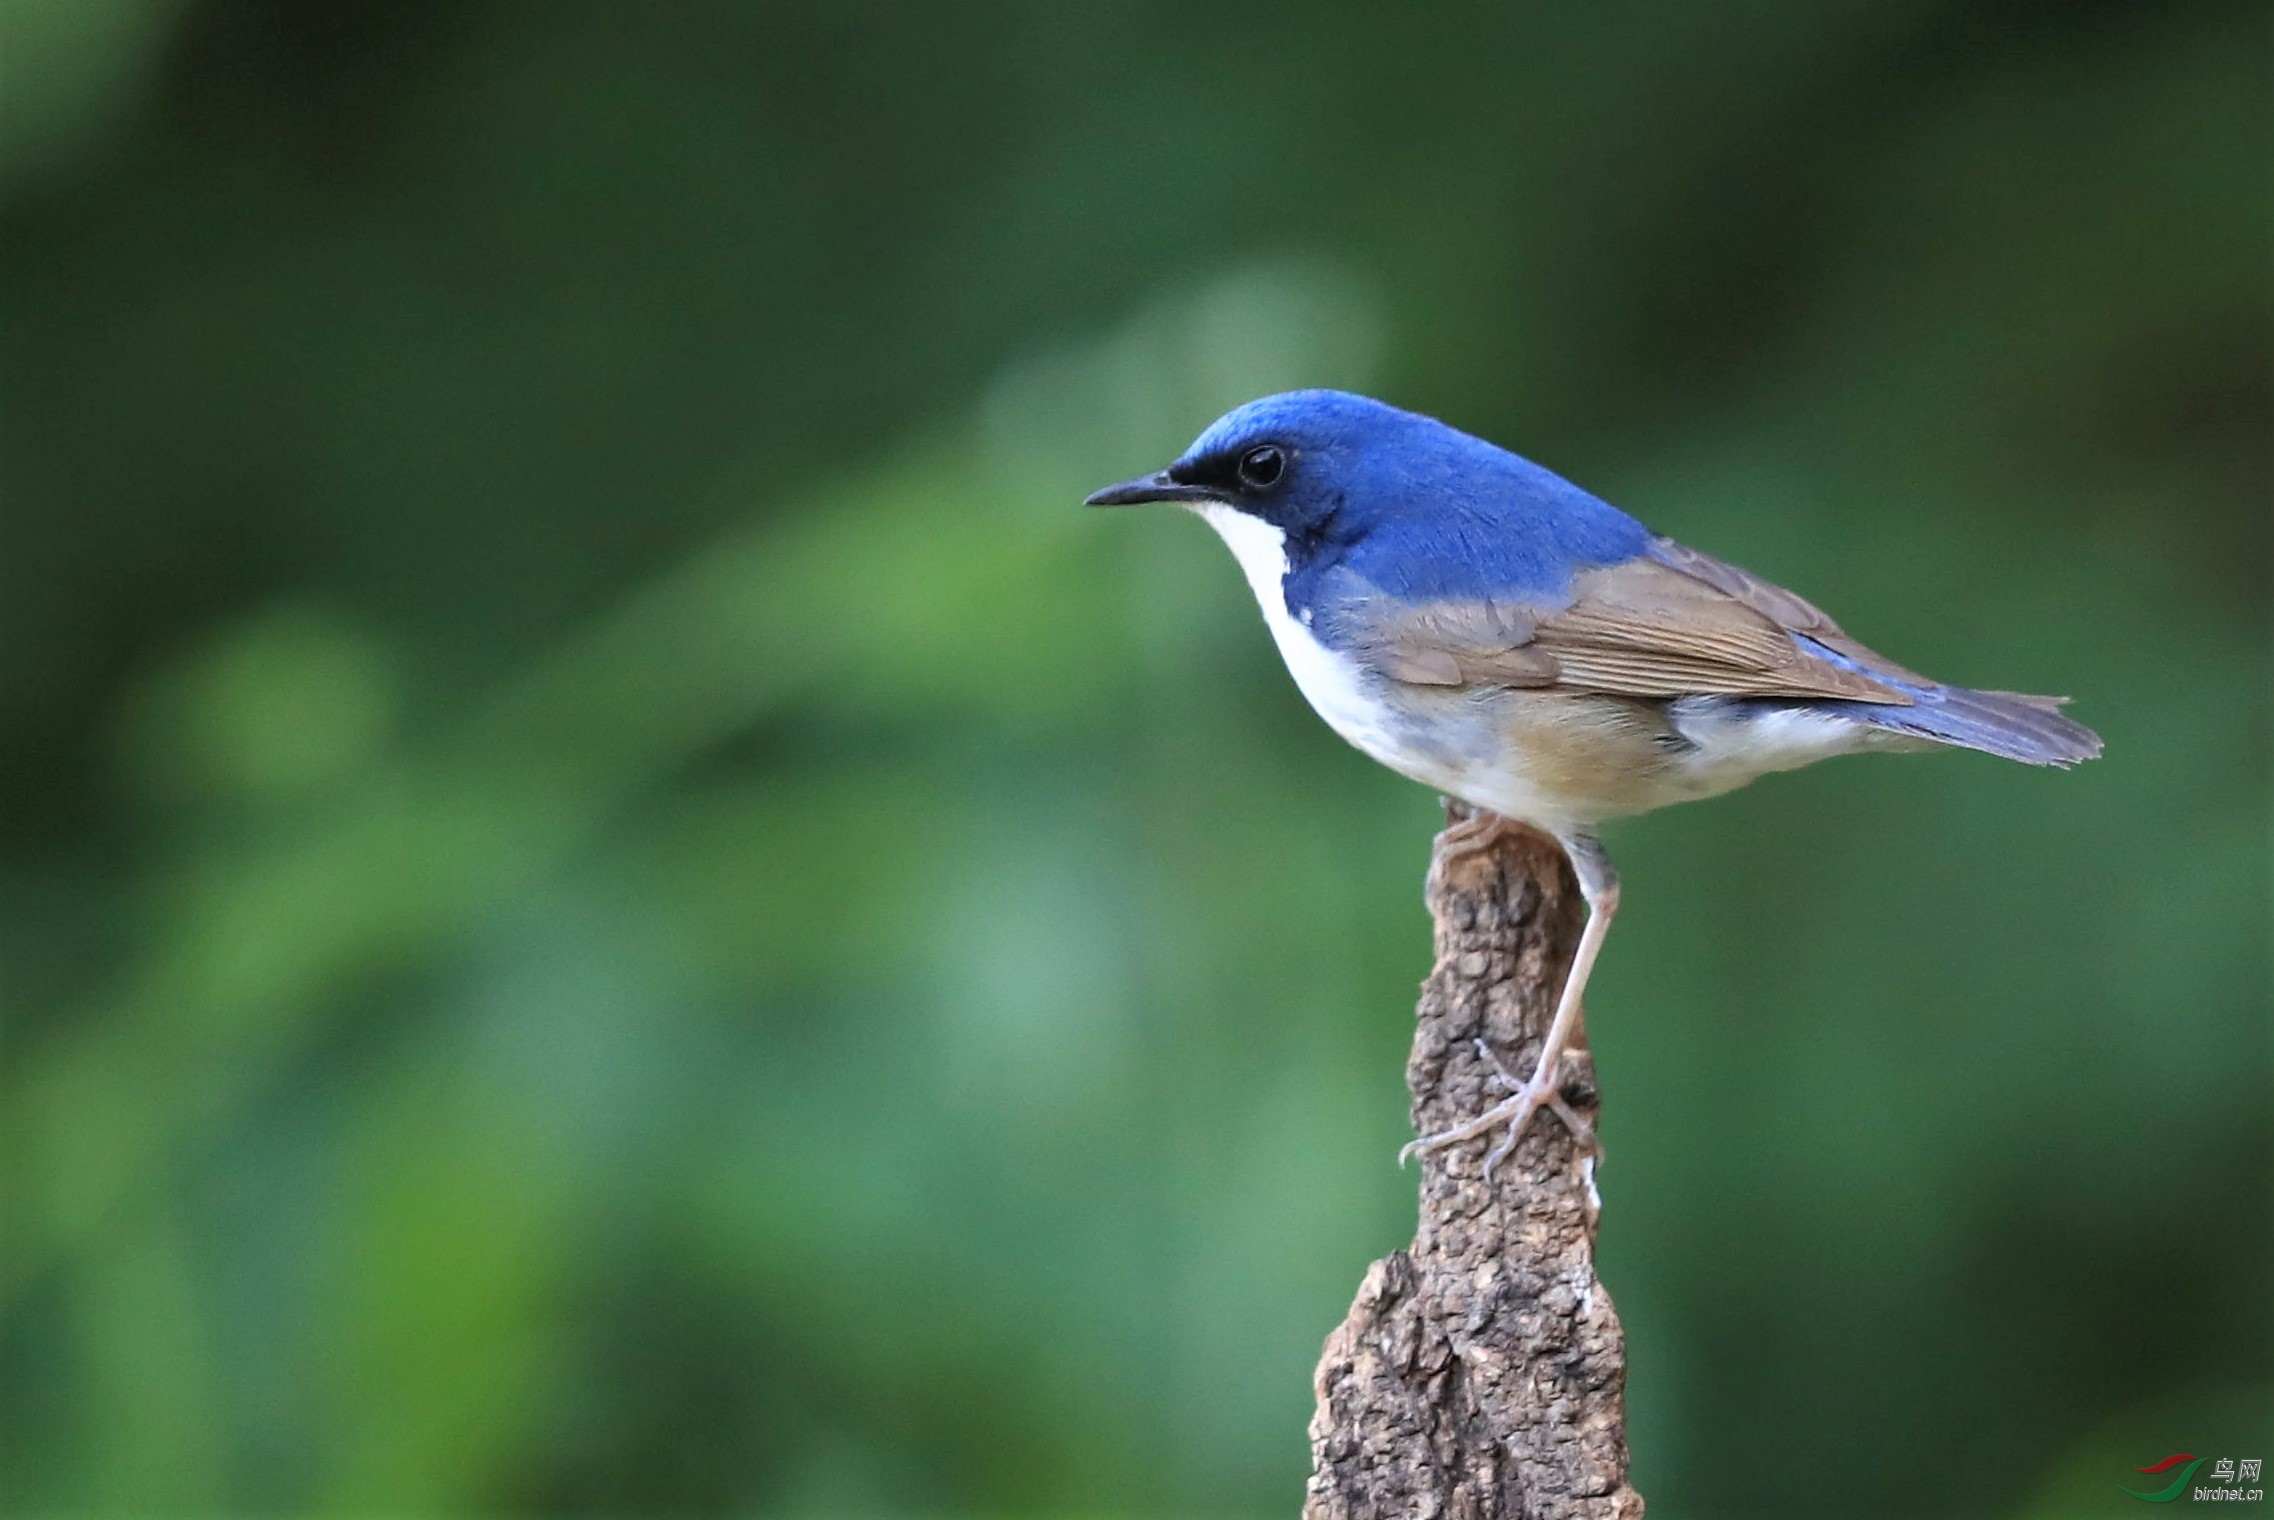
x,y
1262,466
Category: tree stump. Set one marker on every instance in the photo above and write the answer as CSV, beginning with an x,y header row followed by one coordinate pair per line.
x,y
1481,1374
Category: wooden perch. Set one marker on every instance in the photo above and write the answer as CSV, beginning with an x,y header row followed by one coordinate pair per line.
x,y
1481,1374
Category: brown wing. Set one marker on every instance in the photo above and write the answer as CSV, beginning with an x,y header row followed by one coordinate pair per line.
x,y
1464,644
1786,609
1676,623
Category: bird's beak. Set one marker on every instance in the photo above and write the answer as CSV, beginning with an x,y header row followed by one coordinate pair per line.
x,y
1154,487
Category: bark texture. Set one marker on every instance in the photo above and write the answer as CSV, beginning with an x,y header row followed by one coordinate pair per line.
x,y
1481,1374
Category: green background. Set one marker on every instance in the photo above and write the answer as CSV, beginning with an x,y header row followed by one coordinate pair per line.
x,y
612,902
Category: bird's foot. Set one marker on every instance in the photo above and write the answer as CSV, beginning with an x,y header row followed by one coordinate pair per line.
x,y
1529,1097
1472,835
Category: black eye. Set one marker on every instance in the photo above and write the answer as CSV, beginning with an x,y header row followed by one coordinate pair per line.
x,y
1262,466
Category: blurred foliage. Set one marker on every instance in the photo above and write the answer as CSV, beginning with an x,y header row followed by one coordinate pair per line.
x,y
611,902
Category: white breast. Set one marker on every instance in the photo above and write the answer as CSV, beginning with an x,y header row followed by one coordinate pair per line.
x,y
1332,683
1440,737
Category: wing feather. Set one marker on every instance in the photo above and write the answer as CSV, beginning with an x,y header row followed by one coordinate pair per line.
x,y
1672,623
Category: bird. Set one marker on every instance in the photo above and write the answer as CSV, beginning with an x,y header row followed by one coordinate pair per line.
x,y
1479,624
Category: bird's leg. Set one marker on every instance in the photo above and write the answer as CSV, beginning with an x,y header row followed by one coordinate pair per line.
x,y
1599,884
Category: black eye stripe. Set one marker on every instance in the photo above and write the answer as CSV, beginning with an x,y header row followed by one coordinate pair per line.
x,y
1258,467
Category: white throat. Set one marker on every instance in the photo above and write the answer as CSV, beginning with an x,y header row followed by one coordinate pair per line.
x,y
1332,683
1261,550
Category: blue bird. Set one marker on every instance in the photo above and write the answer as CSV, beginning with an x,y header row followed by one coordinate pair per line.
x,y
1484,626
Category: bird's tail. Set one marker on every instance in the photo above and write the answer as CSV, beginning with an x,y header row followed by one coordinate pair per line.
x,y
2008,723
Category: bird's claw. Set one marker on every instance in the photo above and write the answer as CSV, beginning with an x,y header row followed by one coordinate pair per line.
x,y
1474,834
1517,1111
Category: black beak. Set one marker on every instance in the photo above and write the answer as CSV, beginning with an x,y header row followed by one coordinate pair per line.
x,y
1154,487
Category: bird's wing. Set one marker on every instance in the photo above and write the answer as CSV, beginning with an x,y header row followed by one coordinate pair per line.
x,y
1670,623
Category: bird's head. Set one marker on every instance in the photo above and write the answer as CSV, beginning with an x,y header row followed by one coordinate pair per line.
x,y
1316,464
1413,506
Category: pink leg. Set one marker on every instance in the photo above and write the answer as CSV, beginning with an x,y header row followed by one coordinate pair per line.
x,y
1599,884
